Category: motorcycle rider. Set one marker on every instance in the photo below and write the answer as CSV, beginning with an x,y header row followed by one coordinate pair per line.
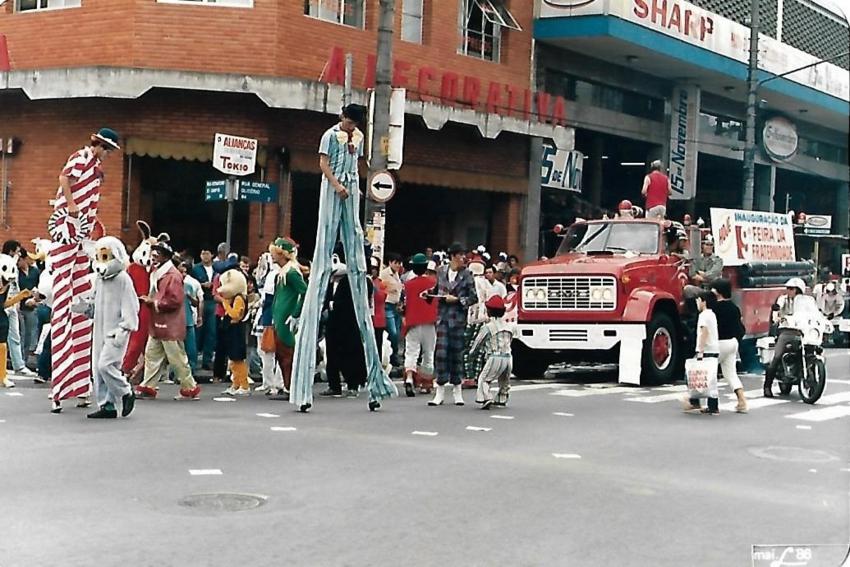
x,y
789,308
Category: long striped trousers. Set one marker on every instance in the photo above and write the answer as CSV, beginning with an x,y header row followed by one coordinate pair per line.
x,y
70,333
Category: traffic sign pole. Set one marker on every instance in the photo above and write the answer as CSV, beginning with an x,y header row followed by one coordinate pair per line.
x,y
231,197
376,212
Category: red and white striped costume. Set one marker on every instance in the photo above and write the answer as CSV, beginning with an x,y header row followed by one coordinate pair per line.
x,y
71,333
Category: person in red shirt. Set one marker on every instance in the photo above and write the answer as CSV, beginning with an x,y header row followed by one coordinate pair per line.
x,y
656,190
379,298
420,319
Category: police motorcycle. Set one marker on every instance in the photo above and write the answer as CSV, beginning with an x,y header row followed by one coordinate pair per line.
x,y
802,363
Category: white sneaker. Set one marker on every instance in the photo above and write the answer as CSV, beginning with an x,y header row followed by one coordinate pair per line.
x,y
457,394
263,388
229,392
251,381
25,372
241,392
8,383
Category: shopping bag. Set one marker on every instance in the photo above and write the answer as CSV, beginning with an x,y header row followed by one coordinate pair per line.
x,y
267,340
700,375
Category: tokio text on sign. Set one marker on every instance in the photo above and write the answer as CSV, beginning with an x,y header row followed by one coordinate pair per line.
x,y
450,88
752,236
234,155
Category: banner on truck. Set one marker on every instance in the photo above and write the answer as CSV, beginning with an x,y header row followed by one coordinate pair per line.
x,y
742,237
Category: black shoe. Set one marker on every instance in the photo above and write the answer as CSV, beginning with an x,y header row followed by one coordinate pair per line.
x,y
283,397
768,391
408,389
329,393
103,414
373,405
487,405
305,408
128,403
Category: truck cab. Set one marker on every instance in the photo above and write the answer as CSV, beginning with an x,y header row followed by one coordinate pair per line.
x,y
612,292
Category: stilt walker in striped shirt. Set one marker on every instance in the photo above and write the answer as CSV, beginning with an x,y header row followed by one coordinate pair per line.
x,y
73,223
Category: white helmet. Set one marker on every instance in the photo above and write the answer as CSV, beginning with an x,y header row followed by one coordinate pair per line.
x,y
830,287
798,283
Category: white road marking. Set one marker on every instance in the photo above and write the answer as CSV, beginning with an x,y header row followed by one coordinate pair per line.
x,y
676,388
224,399
2,421
473,428
822,414
283,428
14,394
656,399
838,398
845,470
501,417
267,415
835,381
205,472
562,414
566,456
804,427
530,387
754,404
425,433
598,391
813,470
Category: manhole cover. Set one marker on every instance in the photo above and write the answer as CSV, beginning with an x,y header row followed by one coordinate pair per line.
x,y
223,502
793,454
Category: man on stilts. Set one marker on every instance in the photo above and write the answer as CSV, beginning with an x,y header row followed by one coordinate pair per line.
x,y
73,222
339,207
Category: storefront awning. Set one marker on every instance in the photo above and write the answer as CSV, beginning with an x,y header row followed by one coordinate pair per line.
x,y
307,162
187,151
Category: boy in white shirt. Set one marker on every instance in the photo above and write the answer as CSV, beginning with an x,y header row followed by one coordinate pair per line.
x,y
708,349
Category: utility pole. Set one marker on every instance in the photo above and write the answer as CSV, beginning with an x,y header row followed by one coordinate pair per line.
x,y
752,105
379,141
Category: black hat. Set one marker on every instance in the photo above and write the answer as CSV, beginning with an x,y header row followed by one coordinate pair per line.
x,y
457,248
355,112
164,247
108,136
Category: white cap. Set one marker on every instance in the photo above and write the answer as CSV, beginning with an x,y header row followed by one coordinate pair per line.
x,y
798,283
432,266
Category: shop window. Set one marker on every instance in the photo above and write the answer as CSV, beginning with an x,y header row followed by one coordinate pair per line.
x,y
823,151
481,24
225,3
721,126
31,5
411,20
346,12
604,96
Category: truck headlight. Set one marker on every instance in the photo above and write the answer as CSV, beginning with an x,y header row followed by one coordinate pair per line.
x,y
813,336
534,294
599,293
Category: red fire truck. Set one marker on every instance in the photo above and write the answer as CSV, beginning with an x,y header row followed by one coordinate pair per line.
x,y
613,292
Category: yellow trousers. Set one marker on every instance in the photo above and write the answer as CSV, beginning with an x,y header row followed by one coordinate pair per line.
x,y
239,372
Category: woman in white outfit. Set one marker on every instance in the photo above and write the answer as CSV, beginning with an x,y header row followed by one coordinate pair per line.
x,y
730,330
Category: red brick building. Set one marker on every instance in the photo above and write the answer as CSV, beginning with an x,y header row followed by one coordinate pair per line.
x,y
169,74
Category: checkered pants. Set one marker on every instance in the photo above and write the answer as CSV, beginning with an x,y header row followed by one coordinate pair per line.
x,y
472,363
449,356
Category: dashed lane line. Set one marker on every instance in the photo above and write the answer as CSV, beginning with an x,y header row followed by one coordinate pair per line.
x,y
205,472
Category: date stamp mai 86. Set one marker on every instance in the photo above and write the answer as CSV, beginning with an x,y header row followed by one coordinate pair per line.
x,y
818,555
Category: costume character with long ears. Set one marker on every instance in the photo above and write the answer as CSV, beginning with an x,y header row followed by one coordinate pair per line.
x,y
73,222
233,289
167,300
140,273
339,205
116,316
8,274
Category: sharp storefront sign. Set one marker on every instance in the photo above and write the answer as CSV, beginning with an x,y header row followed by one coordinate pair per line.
x,y
779,138
694,25
683,141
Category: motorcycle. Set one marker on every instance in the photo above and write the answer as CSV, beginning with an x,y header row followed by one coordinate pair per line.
x,y
803,363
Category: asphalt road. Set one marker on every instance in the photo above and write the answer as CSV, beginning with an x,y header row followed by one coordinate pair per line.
x,y
576,471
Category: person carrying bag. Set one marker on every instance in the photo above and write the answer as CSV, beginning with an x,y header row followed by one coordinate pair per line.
x,y
702,370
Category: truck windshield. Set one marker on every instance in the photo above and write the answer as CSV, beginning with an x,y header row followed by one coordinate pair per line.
x,y
613,237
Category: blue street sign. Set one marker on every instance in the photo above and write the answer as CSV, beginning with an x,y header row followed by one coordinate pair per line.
x,y
257,191
216,190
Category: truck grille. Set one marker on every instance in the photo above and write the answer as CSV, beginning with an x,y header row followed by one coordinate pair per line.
x,y
569,293
568,336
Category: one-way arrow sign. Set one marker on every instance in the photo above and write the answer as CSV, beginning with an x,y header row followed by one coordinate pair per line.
x,y
382,186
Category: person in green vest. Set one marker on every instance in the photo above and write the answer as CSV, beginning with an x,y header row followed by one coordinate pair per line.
x,y
287,300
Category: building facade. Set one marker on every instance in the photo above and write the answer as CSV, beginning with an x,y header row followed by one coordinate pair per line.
x,y
170,74
666,79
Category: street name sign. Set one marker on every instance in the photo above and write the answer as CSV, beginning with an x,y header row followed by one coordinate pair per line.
x,y
234,155
257,191
216,190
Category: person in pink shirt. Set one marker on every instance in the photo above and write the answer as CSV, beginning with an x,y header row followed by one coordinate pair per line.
x,y
656,190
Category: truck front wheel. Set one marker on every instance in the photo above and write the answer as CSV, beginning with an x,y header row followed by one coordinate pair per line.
x,y
528,363
661,351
